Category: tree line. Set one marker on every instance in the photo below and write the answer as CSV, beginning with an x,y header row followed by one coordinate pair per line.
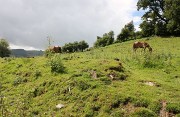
x,y
127,33
75,46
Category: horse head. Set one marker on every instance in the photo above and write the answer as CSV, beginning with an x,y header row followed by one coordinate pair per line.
x,y
150,49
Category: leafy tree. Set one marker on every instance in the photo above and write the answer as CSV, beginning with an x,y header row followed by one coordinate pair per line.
x,y
4,48
128,32
138,34
107,39
123,36
147,28
82,45
155,9
110,38
101,42
172,13
75,46
162,15
153,17
68,47
160,29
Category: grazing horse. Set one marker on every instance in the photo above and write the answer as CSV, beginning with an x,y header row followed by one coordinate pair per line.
x,y
55,49
144,45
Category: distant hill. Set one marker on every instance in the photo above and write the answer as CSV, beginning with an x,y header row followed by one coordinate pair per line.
x,y
26,53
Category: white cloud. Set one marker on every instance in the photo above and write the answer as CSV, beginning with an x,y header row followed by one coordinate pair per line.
x,y
12,46
29,22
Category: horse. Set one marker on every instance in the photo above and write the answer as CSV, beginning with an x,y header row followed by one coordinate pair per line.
x,y
143,45
55,49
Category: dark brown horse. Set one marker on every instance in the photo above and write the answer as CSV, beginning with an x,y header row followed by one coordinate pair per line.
x,y
143,45
55,49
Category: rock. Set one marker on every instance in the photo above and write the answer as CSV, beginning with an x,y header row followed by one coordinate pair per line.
x,y
59,106
150,83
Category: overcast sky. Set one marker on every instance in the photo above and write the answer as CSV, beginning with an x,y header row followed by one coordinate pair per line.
x,y
27,23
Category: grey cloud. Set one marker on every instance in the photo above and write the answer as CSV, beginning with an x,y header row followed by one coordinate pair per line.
x,y
29,22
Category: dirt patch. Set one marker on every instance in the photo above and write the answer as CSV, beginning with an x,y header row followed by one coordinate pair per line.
x,y
150,83
117,76
163,112
129,108
93,74
118,68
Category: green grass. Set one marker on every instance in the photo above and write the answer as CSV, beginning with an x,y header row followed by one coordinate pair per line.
x,y
30,87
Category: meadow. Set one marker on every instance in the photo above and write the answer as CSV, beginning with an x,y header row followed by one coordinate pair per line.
x,y
110,81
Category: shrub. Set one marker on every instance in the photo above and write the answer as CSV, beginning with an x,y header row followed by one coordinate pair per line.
x,y
82,85
141,103
19,80
106,80
118,113
143,112
56,64
155,106
174,108
48,53
37,74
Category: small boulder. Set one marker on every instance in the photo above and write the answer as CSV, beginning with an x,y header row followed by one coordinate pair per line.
x,y
59,106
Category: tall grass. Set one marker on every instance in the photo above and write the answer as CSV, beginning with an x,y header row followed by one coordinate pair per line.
x,y
56,64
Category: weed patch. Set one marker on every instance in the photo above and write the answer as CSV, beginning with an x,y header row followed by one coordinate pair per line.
x,y
143,112
56,64
174,108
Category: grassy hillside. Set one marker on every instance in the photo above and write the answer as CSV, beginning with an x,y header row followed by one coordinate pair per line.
x,y
109,81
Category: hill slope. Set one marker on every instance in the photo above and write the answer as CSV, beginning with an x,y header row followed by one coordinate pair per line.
x,y
109,81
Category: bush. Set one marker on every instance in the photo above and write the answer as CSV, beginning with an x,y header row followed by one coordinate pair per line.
x,y
106,81
37,74
19,80
48,53
56,64
143,112
153,60
82,85
141,103
118,113
174,108
155,107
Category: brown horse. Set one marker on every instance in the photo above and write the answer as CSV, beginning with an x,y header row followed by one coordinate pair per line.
x,y
144,45
55,49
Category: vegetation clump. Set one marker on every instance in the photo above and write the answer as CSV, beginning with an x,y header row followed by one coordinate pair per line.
x,y
56,64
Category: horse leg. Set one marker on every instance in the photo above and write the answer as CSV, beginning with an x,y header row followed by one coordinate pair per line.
x,y
144,49
134,50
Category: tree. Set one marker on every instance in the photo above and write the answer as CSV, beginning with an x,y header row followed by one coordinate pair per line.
x,y
155,9
123,36
75,46
82,45
147,28
4,48
138,34
153,17
127,33
162,15
110,38
172,13
107,39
